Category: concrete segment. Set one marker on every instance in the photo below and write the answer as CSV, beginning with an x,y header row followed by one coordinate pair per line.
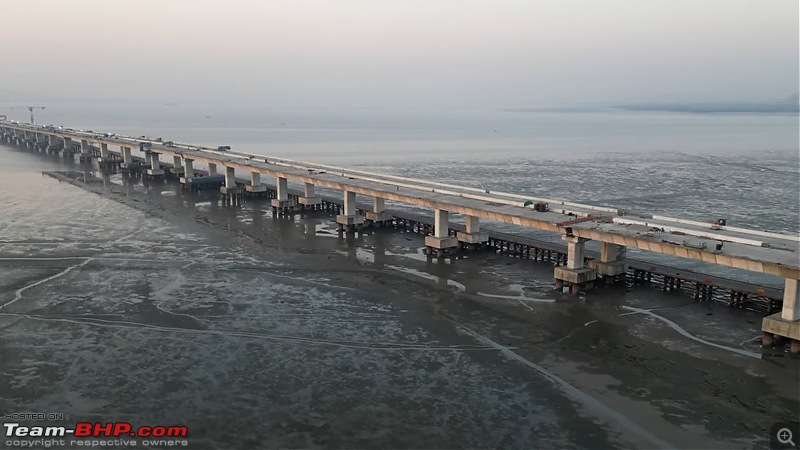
x,y
188,168
775,324
791,300
283,189
441,243
575,276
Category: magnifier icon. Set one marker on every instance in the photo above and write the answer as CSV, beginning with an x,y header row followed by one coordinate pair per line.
x,y
784,436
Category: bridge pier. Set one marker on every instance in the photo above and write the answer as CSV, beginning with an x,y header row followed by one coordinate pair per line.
x,y
155,169
230,192
85,154
309,199
441,242
281,204
472,236
66,152
127,161
786,323
177,166
212,169
38,142
574,273
188,172
53,143
378,215
612,264
349,220
256,187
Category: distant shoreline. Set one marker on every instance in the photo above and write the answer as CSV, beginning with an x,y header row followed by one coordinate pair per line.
x,y
781,108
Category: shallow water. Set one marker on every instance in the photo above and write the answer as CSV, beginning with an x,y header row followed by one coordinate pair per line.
x,y
152,305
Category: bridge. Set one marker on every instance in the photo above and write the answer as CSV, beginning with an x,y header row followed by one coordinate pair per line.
x,y
615,229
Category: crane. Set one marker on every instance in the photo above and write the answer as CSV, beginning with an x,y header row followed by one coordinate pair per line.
x,y
31,108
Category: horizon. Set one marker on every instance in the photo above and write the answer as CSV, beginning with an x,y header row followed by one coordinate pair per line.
x,y
384,56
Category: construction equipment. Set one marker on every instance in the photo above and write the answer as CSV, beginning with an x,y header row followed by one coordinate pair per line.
x,y
31,108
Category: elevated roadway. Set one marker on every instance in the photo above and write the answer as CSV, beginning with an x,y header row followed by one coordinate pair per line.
x,y
760,251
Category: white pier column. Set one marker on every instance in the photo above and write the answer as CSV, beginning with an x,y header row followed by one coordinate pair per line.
x,y
155,165
177,164
127,158
349,203
441,239
612,260
84,154
104,151
230,177
576,252
255,185
441,224
787,322
212,169
472,234
574,274
378,204
282,202
66,152
791,300
309,198
378,213
188,171
230,190
283,189
349,219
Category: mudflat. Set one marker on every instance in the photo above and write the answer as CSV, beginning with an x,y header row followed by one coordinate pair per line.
x,y
146,303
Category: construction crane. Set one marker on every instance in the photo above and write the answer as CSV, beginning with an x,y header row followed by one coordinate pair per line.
x,y
31,108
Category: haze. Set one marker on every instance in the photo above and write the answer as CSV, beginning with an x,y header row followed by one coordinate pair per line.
x,y
399,54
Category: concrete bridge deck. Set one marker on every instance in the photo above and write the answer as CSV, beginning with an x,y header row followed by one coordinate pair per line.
x,y
755,250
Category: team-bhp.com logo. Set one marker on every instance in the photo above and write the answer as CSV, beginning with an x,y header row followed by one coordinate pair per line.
x,y
97,429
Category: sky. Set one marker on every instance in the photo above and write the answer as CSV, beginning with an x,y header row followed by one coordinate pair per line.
x,y
331,54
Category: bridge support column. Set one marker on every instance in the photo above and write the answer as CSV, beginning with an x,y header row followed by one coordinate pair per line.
x,y
230,192
309,198
472,236
612,263
282,204
104,156
349,220
52,143
212,169
84,155
155,165
786,323
66,151
378,214
177,165
574,274
127,158
255,187
441,241
188,173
